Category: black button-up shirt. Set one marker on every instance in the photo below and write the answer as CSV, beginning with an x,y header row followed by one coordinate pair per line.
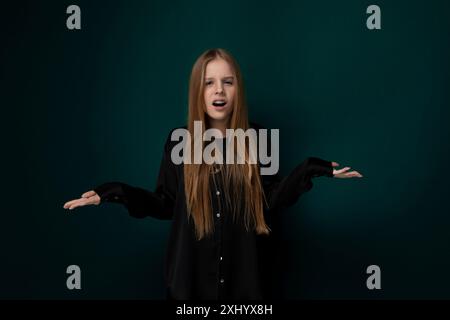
x,y
227,264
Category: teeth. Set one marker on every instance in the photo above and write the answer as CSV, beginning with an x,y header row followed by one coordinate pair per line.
x,y
219,103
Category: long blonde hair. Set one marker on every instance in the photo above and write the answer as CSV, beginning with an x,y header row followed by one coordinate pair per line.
x,y
242,182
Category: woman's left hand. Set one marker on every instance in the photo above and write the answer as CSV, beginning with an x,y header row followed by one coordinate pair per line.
x,y
342,173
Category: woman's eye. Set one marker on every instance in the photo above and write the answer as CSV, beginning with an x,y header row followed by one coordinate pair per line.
x,y
208,83
229,82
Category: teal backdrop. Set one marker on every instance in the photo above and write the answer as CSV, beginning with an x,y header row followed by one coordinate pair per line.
x,y
82,107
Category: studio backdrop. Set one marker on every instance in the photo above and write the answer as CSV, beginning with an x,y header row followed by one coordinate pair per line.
x,y
91,89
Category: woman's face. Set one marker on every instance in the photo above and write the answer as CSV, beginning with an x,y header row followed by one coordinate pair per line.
x,y
220,88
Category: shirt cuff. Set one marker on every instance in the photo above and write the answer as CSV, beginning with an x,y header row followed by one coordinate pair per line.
x,y
319,167
110,192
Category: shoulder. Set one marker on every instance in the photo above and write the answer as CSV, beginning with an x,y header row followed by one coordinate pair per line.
x,y
169,143
176,128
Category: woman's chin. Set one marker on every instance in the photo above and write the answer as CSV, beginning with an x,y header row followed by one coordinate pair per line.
x,y
218,114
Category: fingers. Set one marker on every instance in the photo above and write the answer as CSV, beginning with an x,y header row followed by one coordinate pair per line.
x,y
78,203
342,170
351,174
69,203
74,203
95,200
88,194
354,174
89,197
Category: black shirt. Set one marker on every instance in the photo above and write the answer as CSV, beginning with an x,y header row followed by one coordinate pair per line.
x,y
229,263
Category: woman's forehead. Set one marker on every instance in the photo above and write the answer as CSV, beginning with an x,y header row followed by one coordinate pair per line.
x,y
218,68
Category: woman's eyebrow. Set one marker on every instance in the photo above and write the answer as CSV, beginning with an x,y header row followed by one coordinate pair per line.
x,y
227,77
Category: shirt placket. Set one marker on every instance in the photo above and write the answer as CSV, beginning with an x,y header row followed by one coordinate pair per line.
x,y
219,225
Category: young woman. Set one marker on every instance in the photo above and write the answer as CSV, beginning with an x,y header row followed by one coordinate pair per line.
x,y
219,212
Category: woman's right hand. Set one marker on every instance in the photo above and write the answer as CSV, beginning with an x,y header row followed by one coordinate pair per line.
x,y
87,198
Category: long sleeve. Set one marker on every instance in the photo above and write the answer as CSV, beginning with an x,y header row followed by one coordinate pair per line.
x,y
284,192
142,203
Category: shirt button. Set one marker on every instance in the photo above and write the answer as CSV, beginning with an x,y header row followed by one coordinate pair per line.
x,y
222,280
218,192
221,258
218,215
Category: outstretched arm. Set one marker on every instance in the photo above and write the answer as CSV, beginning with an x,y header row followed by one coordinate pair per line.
x,y
284,192
139,202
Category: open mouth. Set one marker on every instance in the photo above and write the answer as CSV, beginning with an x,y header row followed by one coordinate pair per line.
x,y
219,103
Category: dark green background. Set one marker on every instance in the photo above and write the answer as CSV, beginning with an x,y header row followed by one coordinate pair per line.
x,y
84,107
